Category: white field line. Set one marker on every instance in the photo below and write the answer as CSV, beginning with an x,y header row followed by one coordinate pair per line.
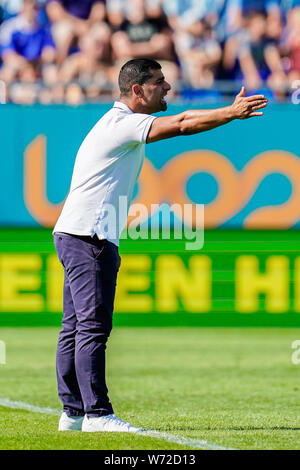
x,y
188,442
20,405
184,441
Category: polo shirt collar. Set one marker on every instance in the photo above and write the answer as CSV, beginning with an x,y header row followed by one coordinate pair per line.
x,y
119,104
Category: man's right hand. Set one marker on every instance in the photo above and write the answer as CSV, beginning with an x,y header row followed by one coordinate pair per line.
x,y
245,107
194,121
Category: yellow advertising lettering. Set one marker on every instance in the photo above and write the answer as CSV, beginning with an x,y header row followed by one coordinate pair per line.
x,y
20,272
297,285
54,284
274,283
192,285
133,283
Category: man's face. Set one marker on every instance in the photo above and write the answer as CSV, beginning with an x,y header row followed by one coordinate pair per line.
x,y
155,89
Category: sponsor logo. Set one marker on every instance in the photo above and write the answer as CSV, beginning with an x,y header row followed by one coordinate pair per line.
x,y
168,185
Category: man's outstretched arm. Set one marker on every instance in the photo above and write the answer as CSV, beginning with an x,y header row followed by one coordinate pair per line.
x,y
195,121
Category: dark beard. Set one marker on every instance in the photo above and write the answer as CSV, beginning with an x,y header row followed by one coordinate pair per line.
x,y
163,106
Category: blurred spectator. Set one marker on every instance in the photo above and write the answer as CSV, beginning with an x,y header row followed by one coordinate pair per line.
x,y
24,93
291,43
183,13
199,53
116,12
71,19
196,42
90,66
26,45
233,14
51,95
259,56
11,8
74,94
143,35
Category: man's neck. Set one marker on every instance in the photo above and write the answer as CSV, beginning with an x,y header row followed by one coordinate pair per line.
x,y
135,107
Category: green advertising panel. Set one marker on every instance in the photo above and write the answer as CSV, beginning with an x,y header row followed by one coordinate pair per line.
x,y
238,278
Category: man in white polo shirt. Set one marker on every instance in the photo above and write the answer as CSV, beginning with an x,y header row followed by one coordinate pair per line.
x,y
86,235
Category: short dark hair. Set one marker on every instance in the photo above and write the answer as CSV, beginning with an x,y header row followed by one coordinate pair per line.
x,y
136,71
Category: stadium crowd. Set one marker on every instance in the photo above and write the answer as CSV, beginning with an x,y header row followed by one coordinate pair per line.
x,y
55,51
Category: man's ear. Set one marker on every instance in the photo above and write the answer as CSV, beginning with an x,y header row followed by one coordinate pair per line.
x,y
137,90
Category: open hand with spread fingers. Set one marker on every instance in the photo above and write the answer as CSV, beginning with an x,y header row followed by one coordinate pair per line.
x,y
245,107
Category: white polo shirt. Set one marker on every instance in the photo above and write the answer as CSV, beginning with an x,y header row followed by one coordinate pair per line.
x,y
106,169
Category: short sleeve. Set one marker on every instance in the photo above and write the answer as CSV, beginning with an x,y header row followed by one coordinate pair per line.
x,y
135,127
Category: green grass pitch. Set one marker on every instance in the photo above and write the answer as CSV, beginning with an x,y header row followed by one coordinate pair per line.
x,y
232,387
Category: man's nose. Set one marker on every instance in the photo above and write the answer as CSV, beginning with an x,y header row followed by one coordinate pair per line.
x,y
168,86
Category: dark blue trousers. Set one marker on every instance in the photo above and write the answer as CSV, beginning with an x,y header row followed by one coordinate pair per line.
x,y
90,266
